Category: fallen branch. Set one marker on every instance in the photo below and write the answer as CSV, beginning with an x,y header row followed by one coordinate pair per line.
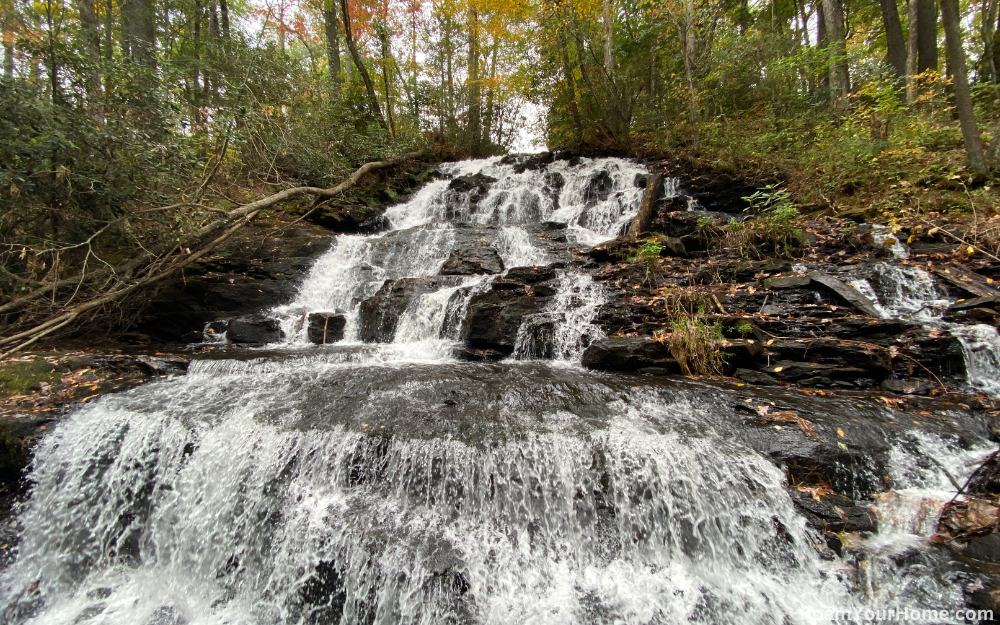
x,y
156,264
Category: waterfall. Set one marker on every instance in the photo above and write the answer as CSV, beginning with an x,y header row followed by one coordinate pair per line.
x,y
499,203
201,500
390,483
911,293
567,328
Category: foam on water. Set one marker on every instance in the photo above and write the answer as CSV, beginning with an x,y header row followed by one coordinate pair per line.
x,y
592,199
168,515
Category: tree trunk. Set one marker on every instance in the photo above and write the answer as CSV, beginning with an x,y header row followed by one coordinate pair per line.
x,y
332,26
8,53
821,39
839,77
490,97
90,33
199,11
345,14
224,17
911,55
689,49
895,46
475,131
571,88
383,35
109,27
140,28
987,30
609,37
963,100
927,51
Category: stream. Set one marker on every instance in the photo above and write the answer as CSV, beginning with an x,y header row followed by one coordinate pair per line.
x,y
381,479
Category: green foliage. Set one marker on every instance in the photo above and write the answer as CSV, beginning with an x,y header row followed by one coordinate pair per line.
x,y
648,253
696,345
773,230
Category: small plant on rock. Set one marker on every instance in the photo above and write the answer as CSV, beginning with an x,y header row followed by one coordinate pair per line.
x,y
649,253
695,343
774,229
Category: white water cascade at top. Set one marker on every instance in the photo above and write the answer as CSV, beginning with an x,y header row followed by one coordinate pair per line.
x,y
501,203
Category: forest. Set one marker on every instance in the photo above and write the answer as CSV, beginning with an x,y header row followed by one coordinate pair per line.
x,y
126,125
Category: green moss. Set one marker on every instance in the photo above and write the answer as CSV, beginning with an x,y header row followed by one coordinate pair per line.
x,y
21,378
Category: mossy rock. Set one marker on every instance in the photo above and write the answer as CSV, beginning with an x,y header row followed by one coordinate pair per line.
x,y
23,377
18,436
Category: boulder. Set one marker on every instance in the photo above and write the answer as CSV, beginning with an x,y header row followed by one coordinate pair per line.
x,y
379,315
494,317
326,327
464,184
257,331
629,354
464,262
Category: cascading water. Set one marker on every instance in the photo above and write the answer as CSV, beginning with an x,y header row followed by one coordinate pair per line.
x,y
389,483
492,203
906,292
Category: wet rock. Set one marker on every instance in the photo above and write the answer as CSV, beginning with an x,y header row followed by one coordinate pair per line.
x,y
984,547
18,436
846,292
478,355
530,275
525,162
254,272
787,282
464,262
494,317
478,181
599,187
759,378
834,513
257,331
507,285
161,365
326,327
379,315
907,387
629,354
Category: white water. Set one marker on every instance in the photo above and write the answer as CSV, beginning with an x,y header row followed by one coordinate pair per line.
x,y
422,237
907,292
884,238
390,484
198,501
565,330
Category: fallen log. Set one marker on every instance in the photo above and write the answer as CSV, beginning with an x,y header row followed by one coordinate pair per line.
x,y
161,262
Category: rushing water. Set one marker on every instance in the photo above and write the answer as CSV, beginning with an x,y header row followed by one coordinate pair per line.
x,y
389,483
911,293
